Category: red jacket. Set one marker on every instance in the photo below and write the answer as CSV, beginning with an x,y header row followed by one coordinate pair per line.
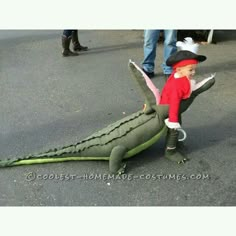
x,y
173,92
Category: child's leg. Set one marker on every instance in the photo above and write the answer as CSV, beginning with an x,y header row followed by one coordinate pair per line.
x,y
171,147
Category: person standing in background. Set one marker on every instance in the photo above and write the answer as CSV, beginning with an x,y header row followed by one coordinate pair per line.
x,y
150,44
67,37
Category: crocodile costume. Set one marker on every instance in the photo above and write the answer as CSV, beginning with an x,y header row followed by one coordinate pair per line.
x,y
122,139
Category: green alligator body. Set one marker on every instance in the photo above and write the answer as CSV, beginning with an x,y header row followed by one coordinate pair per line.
x,y
123,139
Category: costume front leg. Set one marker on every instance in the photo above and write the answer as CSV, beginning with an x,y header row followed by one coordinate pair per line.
x,y
115,161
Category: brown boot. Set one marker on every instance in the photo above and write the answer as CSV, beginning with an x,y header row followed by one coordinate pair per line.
x,y
66,47
76,44
171,151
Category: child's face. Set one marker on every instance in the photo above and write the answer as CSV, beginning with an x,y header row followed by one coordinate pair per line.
x,y
188,71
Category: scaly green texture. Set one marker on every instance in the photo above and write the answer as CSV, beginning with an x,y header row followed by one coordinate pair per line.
x,y
118,141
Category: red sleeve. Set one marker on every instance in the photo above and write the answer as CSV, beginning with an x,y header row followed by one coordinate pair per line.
x,y
180,90
175,99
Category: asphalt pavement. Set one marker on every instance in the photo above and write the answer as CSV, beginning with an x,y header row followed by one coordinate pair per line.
x,y
47,101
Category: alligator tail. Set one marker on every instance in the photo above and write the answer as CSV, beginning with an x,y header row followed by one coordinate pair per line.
x,y
57,155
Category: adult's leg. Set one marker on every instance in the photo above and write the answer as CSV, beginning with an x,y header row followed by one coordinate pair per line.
x,y
76,44
67,33
170,39
149,49
66,39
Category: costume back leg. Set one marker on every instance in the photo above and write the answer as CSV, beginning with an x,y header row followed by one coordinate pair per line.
x,y
115,161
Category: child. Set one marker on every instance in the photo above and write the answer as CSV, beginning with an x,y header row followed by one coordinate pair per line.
x,y
178,87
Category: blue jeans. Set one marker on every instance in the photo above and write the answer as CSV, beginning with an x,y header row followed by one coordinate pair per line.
x,y
150,44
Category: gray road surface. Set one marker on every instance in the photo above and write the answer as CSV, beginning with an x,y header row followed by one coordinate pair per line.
x,y
48,101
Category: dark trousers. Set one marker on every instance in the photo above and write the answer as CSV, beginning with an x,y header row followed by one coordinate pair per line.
x,y
68,33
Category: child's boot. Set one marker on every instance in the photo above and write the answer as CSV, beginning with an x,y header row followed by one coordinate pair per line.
x,y
171,147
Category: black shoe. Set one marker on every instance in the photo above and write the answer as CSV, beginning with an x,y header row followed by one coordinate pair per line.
x,y
78,47
67,53
149,74
83,48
